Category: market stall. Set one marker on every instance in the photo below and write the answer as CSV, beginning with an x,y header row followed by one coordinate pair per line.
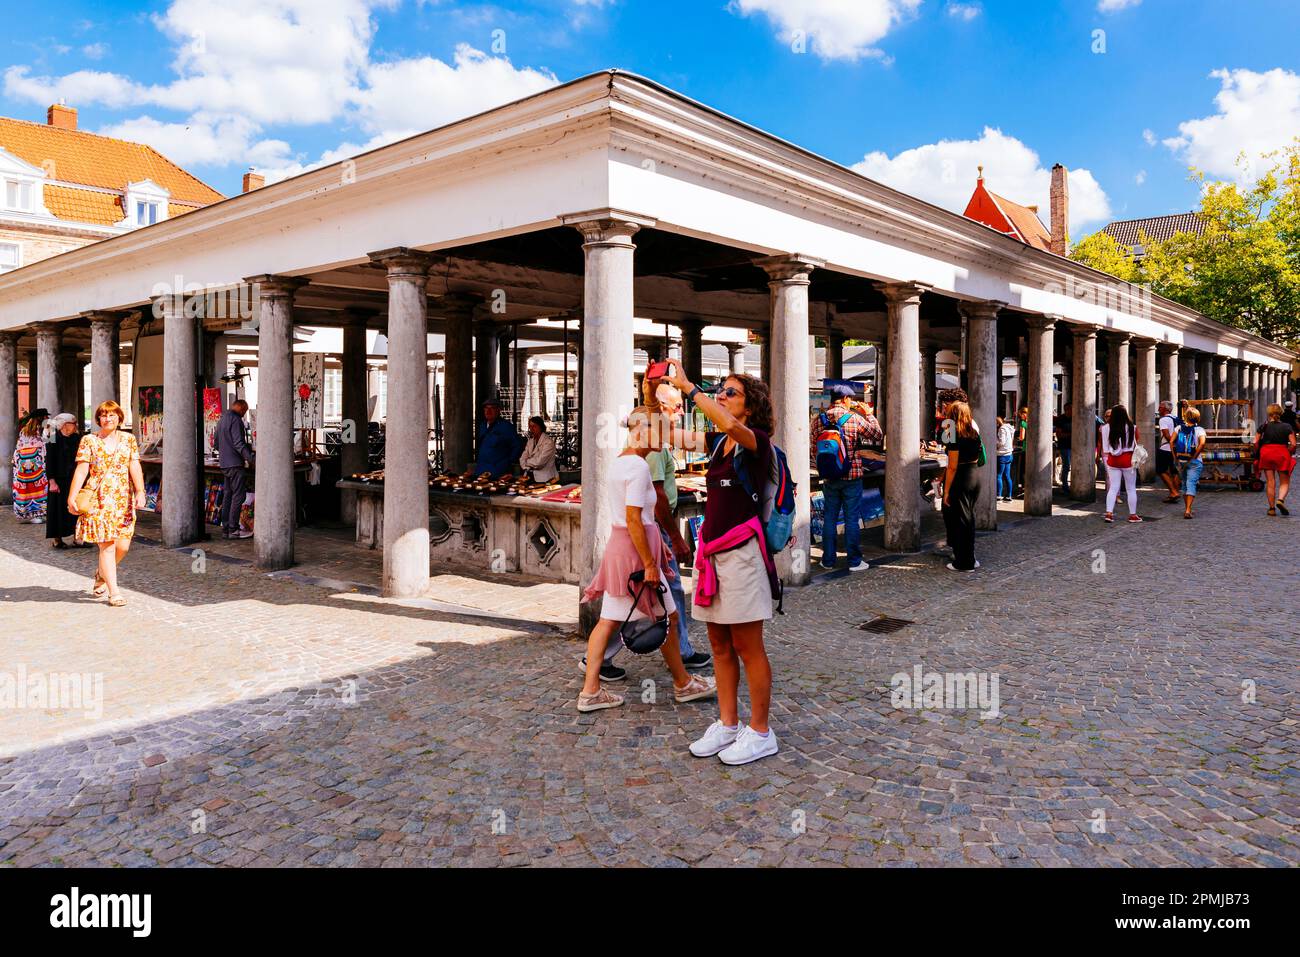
x,y
1229,454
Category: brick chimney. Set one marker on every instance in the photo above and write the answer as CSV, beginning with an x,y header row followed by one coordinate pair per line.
x,y
1060,210
64,117
253,181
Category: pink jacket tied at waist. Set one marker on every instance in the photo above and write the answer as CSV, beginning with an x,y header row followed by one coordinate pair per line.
x,y
707,584
620,560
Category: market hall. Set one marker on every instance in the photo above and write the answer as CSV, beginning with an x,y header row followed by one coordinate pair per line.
x,y
584,218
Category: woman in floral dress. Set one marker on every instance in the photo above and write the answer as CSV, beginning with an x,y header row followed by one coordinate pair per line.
x,y
30,484
108,462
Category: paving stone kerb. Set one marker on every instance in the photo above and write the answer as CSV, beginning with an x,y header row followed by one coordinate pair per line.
x,y
1147,687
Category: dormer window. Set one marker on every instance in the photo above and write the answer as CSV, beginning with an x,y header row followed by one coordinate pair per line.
x,y
146,204
18,195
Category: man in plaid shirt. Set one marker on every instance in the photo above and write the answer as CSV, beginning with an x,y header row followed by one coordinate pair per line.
x,y
860,432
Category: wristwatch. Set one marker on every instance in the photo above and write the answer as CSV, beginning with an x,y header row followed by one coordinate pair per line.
x,y
695,390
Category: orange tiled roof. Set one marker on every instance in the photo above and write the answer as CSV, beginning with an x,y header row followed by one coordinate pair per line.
x,y
84,205
1026,221
93,160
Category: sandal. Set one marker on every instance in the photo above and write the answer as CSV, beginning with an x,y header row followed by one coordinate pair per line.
x,y
58,543
1281,507
1272,511
99,587
116,601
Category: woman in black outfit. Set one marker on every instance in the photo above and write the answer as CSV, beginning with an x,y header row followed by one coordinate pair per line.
x,y
60,463
961,486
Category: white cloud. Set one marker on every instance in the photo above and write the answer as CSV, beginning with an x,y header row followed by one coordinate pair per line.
x,y
1141,177
1149,137
245,65
964,11
835,29
1257,113
1110,6
944,173
94,51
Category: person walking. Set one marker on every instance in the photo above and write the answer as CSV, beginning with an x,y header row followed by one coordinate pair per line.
x,y
235,458
1166,468
736,578
1275,458
1189,443
1063,430
635,543
60,463
961,485
30,482
108,464
1119,438
1005,449
842,486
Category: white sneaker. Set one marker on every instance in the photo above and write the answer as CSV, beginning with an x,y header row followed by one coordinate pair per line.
x,y
749,746
718,736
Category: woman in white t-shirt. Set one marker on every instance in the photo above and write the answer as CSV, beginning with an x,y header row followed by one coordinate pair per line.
x,y
1119,437
635,544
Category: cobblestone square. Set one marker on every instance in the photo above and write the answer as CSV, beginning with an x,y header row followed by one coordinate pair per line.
x,y
1147,715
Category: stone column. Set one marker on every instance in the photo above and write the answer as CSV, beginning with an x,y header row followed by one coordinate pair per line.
x,y
8,413
485,368
1038,441
354,398
535,394
458,390
1083,419
49,372
275,509
1187,376
1146,413
984,377
1233,382
182,521
1169,376
406,445
930,395
789,279
71,386
881,381
1117,377
736,355
692,348
609,297
105,344
1221,378
764,357
1243,380
902,425
835,356
1253,395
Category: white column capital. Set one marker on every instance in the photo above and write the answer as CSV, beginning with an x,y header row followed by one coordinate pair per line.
x,y
792,268
607,227
1042,323
986,310
47,329
268,286
902,293
405,263
1083,331
1116,336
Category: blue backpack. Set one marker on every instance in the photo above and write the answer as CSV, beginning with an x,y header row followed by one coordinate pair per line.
x,y
832,452
775,497
1185,441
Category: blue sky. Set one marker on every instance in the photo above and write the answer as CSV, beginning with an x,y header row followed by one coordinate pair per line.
x,y
915,92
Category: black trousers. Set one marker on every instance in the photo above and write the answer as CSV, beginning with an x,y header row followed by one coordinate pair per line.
x,y
233,493
959,516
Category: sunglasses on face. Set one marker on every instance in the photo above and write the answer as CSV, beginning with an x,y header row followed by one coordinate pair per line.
x,y
729,392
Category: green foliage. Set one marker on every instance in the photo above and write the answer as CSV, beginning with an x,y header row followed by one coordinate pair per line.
x,y
1244,270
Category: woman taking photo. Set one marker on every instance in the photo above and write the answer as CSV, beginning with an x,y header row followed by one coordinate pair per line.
x,y
1275,457
961,486
635,544
30,483
1119,438
108,464
60,463
733,594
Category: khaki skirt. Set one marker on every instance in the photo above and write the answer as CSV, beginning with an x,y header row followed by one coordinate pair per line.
x,y
744,594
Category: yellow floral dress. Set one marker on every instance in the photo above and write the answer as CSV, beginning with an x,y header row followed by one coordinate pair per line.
x,y
112,512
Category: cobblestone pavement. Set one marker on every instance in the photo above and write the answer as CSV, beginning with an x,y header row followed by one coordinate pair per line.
x,y
1147,689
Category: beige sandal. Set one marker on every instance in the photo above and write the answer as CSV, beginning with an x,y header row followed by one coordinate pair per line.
x,y
99,587
116,601
695,689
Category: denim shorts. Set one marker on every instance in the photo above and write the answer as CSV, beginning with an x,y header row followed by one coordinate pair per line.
x,y
1191,475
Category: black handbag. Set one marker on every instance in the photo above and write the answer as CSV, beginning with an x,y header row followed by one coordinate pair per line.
x,y
645,635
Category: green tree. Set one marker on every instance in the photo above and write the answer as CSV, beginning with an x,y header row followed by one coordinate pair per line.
x,y
1244,269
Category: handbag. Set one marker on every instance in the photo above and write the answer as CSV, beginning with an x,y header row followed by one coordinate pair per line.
x,y
645,635
84,499
1140,456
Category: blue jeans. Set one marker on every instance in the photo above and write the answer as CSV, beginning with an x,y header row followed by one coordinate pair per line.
x,y
679,596
1192,475
837,494
1004,476
1065,464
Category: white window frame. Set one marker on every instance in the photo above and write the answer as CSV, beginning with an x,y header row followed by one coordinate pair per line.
x,y
145,193
18,256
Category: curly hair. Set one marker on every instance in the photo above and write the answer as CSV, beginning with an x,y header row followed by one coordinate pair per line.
x,y
758,403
